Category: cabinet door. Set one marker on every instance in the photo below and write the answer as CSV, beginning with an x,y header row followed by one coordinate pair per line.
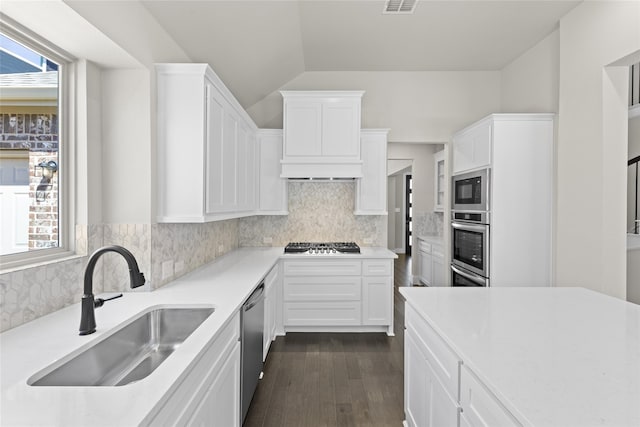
x,y
215,120
272,189
246,169
427,403
377,300
438,271
472,149
230,136
302,128
220,405
425,268
341,128
371,189
439,182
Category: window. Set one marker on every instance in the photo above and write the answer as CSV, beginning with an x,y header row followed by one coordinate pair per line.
x,y
34,219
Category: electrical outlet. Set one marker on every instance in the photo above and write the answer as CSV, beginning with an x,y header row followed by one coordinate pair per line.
x,y
267,240
220,249
167,269
368,241
179,266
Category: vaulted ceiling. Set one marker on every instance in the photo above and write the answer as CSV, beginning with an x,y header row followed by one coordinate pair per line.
x,y
256,46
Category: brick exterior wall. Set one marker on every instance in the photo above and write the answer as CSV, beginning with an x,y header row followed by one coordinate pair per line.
x,y
37,132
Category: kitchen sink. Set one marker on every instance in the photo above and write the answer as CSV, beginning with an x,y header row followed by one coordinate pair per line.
x,y
129,354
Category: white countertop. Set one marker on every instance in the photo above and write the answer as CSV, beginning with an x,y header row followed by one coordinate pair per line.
x,y
26,350
553,356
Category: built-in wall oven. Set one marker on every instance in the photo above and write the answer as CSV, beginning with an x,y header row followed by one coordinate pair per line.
x,y
470,248
471,191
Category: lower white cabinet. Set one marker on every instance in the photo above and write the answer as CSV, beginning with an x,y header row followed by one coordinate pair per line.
x,y
272,288
210,392
338,295
220,405
431,266
427,402
439,390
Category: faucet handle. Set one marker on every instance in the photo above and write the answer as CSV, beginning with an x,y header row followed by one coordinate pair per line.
x,y
99,302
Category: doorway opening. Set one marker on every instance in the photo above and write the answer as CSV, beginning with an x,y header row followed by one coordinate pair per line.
x,y
408,209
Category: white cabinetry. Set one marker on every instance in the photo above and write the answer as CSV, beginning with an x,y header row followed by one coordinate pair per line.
x,y
338,295
518,150
272,189
431,376
210,392
472,147
272,291
431,267
371,189
377,292
321,134
439,181
206,148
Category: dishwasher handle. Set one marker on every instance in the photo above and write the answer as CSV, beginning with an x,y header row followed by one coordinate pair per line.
x,y
254,299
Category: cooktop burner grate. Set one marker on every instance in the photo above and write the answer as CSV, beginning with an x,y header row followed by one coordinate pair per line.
x,y
322,248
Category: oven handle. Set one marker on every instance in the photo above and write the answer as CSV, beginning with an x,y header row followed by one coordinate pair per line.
x,y
469,227
473,278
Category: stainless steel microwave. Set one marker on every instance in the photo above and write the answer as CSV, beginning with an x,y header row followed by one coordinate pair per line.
x,y
471,191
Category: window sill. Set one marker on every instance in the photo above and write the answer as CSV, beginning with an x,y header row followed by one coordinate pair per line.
x,y
50,257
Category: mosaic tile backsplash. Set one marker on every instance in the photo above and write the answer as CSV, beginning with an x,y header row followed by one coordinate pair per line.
x,y
428,223
34,292
318,211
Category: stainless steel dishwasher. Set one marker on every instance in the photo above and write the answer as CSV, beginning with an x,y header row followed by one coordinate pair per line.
x,y
252,326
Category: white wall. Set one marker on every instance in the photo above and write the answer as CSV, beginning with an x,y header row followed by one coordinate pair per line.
x,y
126,146
592,145
422,171
416,106
529,84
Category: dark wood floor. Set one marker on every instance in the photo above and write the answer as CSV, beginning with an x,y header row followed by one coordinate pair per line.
x,y
330,379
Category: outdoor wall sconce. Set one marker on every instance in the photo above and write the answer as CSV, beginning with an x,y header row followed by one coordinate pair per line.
x,y
49,168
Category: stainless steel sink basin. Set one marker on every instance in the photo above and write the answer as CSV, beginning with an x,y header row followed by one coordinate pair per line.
x,y
129,354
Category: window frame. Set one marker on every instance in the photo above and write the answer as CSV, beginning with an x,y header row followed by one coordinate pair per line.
x,y
67,113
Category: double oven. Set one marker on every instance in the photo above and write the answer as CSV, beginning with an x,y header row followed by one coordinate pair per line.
x,y
470,227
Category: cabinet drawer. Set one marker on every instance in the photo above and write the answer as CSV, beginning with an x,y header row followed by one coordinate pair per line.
x,y
479,406
377,267
322,313
309,288
424,246
323,267
445,363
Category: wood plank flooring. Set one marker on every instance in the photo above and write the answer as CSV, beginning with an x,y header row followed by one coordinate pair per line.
x,y
333,379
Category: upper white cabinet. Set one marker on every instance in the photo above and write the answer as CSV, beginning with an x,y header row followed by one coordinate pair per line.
x,y
273,199
472,147
321,134
371,189
439,184
207,153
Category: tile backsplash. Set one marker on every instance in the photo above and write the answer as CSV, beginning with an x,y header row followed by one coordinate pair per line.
x,y
428,223
33,292
318,211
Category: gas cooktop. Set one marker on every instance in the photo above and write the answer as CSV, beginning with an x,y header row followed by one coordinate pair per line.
x,y
322,248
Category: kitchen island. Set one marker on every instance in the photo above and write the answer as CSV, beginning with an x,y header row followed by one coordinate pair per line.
x,y
525,356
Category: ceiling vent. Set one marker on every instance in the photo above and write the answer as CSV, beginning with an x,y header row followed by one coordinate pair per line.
x,y
399,6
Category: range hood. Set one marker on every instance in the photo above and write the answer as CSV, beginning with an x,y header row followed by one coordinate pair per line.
x,y
321,135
